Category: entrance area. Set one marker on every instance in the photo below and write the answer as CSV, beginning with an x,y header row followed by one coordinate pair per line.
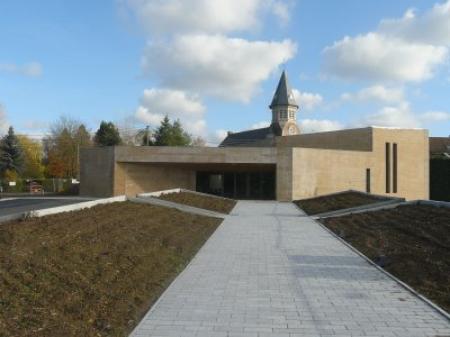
x,y
255,185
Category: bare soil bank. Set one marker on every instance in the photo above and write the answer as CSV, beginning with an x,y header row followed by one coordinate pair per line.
x,y
411,242
93,272
220,205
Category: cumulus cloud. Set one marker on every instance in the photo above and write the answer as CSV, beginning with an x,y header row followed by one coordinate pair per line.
x,y
307,100
430,28
155,104
230,68
204,16
434,116
395,116
190,50
32,69
281,10
408,49
376,93
381,58
259,125
216,137
404,117
318,125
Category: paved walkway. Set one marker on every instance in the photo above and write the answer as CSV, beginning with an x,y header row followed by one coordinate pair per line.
x,y
271,271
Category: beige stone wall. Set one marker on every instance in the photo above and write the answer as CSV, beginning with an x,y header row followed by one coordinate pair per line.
x,y
307,165
352,140
137,178
317,171
284,174
413,162
200,155
322,171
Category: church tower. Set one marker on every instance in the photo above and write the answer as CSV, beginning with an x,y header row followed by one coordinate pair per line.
x,y
284,109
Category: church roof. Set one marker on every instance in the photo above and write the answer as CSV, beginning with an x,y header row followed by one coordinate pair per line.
x,y
245,138
283,95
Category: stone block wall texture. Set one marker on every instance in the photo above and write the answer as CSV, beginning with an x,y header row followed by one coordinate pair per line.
x,y
352,140
138,178
306,165
318,171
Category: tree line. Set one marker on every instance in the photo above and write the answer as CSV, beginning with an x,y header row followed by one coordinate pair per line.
x,y
57,154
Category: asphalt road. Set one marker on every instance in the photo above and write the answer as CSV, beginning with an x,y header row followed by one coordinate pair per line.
x,y
20,205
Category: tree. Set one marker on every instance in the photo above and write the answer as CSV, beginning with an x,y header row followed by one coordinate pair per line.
x,y
83,137
11,156
198,142
107,135
62,147
32,157
168,134
62,156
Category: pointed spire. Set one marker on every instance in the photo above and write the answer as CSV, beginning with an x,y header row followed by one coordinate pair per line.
x,y
283,94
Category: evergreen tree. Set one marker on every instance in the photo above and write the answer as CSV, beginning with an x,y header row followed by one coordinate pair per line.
x,y
82,137
107,135
169,134
11,156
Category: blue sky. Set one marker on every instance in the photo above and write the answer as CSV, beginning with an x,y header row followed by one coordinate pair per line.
x,y
214,64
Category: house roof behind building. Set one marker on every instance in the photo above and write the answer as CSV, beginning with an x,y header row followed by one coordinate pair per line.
x,y
439,144
246,138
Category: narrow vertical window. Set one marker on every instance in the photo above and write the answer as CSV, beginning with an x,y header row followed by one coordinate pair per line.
x,y
388,166
394,168
368,180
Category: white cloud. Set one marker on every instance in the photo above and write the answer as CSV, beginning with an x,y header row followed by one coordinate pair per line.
x,y
318,125
402,116
4,125
32,69
155,104
216,137
404,49
260,125
434,117
433,27
230,68
380,58
395,116
282,9
307,100
204,16
377,93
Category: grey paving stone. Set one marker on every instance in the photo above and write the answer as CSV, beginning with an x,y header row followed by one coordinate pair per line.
x,y
269,270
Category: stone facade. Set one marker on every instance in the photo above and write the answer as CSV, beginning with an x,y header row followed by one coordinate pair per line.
x,y
304,165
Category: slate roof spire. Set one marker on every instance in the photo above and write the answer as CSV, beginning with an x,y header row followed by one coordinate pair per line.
x,y
283,95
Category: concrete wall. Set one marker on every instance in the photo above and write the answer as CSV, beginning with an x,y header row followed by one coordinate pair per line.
x,y
307,165
413,162
97,172
201,155
140,178
316,172
110,171
284,174
352,140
